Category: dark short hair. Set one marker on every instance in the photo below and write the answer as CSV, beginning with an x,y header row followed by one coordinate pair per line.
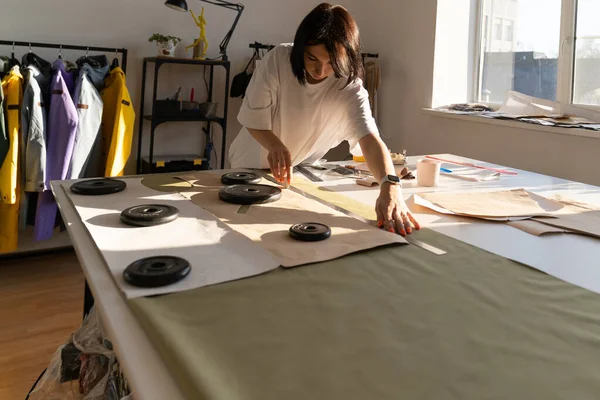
x,y
333,27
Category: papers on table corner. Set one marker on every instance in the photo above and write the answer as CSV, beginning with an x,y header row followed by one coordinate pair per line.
x,y
469,174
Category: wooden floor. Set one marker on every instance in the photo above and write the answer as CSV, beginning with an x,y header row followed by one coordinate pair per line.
x,y
41,305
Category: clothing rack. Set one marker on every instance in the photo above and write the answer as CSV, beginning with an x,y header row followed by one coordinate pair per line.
x,y
369,55
59,46
262,46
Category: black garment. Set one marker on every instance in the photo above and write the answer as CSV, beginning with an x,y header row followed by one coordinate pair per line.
x,y
45,68
97,61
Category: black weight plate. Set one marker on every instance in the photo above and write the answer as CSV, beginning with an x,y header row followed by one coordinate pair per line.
x,y
156,271
149,214
310,232
249,194
95,187
240,178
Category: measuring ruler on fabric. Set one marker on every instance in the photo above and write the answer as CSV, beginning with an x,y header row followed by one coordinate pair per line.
x,y
304,171
409,238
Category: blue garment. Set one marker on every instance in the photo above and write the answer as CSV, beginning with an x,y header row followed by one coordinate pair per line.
x,y
85,163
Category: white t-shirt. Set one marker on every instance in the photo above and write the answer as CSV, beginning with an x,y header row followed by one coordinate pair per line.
x,y
309,120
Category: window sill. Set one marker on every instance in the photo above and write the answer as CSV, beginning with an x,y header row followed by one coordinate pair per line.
x,y
514,124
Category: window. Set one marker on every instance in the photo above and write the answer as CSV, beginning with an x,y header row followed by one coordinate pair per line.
x,y
525,58
486,33
508,32
586,88
497,29
525,52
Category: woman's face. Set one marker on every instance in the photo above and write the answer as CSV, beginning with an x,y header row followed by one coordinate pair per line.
x,y
317,63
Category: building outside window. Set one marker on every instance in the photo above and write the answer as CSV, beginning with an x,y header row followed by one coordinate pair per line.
x,y
497,29
525,52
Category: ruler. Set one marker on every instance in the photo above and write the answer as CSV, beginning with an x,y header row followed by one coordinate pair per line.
x,y
304,171
409,238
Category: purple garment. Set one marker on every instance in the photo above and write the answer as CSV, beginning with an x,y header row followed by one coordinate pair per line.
x,y
70,77
60,137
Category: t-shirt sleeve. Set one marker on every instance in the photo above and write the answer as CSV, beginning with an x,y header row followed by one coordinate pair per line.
x,y
360,117
261,94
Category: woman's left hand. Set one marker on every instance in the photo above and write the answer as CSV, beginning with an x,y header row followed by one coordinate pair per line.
x,y
392,212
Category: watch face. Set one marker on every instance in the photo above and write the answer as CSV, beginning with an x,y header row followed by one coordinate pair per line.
x,y
394,178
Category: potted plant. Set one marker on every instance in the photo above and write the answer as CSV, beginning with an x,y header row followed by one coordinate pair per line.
x,y
165,45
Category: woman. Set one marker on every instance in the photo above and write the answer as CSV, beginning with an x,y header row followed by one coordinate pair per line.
x,y
307,98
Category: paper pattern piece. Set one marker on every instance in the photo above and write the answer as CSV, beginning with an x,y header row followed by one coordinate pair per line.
x,y
498,205
582,222
268,224
216,253
536,228
574,217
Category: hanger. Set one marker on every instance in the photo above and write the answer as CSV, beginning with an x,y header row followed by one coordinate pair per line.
x,y
115,61
13,60
60,52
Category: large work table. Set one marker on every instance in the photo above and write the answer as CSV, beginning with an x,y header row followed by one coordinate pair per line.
x,y
480,322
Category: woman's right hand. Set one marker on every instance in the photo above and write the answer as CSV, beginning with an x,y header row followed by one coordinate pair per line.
x,y
280,161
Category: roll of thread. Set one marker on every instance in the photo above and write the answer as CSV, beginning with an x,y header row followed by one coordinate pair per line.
x,y
428,172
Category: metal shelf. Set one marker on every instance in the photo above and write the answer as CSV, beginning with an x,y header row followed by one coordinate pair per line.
x,y
156,120
182,118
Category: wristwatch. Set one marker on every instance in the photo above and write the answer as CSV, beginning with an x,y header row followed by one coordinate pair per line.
x,y
393,179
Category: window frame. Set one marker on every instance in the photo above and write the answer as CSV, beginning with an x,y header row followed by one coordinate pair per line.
x,y
566,54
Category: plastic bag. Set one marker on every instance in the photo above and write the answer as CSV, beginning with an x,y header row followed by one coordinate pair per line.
x,y
84,368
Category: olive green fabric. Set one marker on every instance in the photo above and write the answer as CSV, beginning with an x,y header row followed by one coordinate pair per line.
x,y
392,323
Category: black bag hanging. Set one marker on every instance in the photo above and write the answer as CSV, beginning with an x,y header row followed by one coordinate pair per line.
x,y
240,82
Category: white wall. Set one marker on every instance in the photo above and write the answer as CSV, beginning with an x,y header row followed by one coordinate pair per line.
x,y
128,23
403,32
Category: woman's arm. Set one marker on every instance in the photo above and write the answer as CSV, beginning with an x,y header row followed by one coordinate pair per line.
x,y
392,212
279,158
377,156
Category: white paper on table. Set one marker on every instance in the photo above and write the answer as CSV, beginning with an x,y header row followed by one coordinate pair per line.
x,y
469,174
215,252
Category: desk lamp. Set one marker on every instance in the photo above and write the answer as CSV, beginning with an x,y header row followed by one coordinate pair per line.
x,y
181,5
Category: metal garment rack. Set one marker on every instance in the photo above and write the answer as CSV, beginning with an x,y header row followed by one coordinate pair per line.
x,y
59,46
262,46
88,298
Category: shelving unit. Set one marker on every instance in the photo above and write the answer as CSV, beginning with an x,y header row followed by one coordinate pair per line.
x,y
147,164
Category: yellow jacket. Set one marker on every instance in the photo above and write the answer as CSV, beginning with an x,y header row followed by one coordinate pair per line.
x,y
10,174
12,85
118,118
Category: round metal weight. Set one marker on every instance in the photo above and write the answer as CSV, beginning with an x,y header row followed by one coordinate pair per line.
x,y
158,271
149,215
240,178
310,232
249,194
96,187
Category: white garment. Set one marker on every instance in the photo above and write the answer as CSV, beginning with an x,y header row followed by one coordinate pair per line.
x,y
309,119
